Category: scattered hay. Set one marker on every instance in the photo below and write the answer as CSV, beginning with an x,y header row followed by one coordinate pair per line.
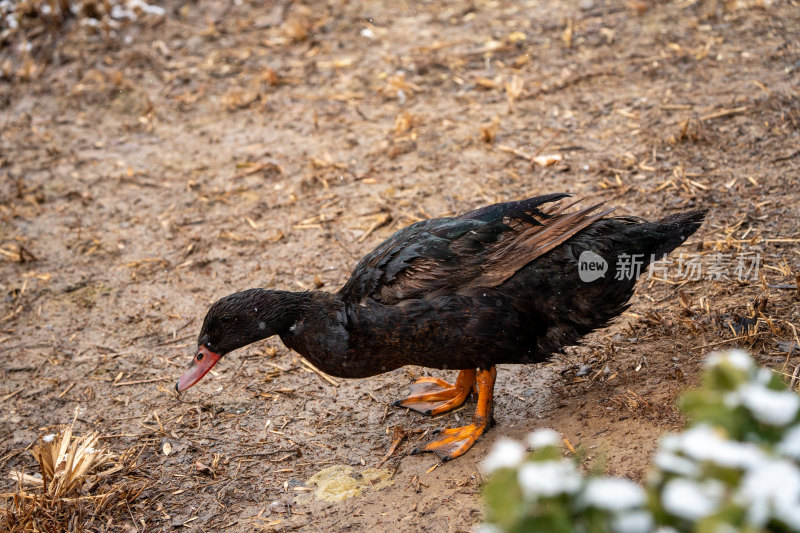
x,y
62,498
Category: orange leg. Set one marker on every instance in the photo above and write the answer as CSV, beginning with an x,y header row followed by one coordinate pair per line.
x,y
432,396
456,441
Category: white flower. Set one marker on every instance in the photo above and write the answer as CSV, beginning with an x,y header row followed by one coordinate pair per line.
x,y
773,407
675,464
548,478
702,443
737,358
632,522
542,438
613,494
732,400
774,484
790,516
790,444
506,453
691,500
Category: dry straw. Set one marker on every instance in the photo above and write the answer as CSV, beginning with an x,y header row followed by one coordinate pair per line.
x,y
61,499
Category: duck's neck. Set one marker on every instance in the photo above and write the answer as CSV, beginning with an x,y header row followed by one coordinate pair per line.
x,y
278,311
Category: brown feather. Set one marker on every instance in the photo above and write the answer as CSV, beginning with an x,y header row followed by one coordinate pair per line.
x,y
533,241
525,242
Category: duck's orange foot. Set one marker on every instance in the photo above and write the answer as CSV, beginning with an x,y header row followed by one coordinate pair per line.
x,y
455,441
432,396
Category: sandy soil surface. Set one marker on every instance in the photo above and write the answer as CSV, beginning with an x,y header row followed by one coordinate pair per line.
x,y
147,170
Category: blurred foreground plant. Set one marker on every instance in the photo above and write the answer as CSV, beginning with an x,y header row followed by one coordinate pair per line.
x,y
735,468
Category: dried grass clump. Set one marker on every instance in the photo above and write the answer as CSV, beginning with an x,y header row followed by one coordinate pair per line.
x,y
64,467
62,498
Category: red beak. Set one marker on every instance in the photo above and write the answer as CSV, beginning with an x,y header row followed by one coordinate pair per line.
x,y
201,364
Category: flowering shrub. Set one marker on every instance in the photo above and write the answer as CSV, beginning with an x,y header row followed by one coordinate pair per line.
x,y
736,468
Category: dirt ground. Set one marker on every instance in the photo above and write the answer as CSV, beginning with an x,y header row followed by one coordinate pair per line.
x,y
147,170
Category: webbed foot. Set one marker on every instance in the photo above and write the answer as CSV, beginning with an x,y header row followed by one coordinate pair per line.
x,y
454,442
433,396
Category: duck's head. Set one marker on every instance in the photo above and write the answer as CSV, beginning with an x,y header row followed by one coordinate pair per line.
x,y
232,322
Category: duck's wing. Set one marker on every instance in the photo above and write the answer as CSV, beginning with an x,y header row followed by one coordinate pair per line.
x,y
481,248
419,248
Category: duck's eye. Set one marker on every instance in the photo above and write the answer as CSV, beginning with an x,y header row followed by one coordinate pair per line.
x,y
200,356
225,319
